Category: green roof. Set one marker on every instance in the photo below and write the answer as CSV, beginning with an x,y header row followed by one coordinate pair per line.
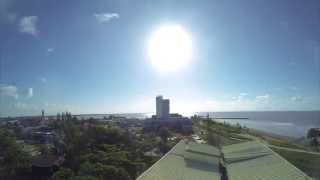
x,y
253,160
186,161
243,161
203,149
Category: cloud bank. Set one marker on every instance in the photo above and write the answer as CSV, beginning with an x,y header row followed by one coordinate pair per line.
x,y
9,90
13,91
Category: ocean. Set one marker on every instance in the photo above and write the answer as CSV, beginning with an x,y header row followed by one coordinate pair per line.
x,y
285,123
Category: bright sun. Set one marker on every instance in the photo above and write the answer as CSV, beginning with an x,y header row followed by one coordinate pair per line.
x,y
170,48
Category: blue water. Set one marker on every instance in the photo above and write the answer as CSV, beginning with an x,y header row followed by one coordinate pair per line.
x,y
286,123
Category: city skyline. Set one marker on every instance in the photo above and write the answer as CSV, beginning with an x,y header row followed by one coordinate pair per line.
x,y
92,57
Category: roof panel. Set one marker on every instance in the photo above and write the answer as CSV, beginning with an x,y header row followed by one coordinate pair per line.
x,y
253,160
182,164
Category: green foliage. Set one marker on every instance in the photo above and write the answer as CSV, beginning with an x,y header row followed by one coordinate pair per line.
x,y
12,157
103,152
283,143
84,178
44,149
308,163
164,134
103,171
313,133
164,147
62,174
314,142
213,139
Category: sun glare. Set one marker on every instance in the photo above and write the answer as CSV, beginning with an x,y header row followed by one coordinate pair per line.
x,y
170,48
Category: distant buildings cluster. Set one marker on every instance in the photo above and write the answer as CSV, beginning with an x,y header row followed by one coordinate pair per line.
x,y
163,118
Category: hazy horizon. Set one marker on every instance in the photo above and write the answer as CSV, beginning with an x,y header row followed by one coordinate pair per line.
x,y
149,114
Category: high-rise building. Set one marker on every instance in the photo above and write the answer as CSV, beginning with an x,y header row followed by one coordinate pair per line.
x,y
165,108
162,107
42,114
158,105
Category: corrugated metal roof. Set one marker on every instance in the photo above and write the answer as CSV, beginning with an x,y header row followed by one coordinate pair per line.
x,y
253,160
182,164
243,161
203,149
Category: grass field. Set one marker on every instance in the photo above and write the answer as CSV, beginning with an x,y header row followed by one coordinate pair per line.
x,y
308,163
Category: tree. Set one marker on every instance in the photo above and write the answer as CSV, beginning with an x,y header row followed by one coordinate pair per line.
x,y
163,147
314,142
84,178
164,134
101,152
44,149
212,138
103,171
62,174
313,134
87,169
13,159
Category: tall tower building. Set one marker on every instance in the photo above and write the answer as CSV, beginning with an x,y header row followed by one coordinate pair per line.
x,y
42,114
158,105
165,108
162,107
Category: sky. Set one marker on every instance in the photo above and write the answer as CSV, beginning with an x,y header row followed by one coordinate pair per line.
x,y
90,56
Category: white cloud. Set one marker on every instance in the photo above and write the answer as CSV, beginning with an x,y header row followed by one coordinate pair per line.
x,y
13,91
263,98
8,90
296,98
240,97
105,17
50,50
28,24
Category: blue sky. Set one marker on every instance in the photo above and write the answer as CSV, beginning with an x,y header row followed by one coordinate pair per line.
x,y
90,56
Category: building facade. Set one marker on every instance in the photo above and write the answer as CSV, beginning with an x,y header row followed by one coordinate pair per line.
x,y
162,107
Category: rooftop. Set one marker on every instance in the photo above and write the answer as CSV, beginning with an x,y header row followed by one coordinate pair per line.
x,y
254,160
243,161
185,161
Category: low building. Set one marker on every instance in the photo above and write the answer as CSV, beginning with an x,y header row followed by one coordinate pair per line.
x,y
177,124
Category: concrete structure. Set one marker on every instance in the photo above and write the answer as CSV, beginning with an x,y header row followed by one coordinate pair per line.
x,y
162,107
